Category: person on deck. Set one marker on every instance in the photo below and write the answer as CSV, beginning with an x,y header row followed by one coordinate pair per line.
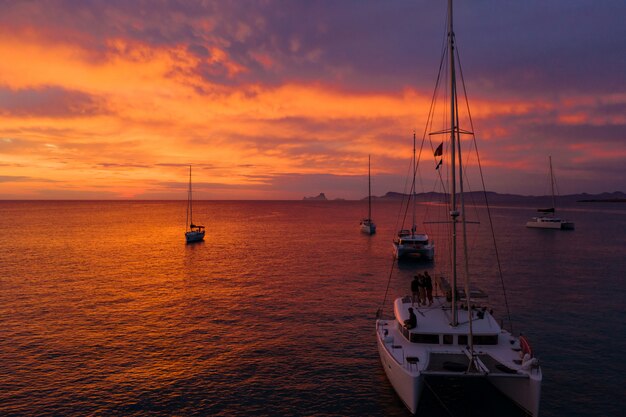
x,y
422,290
428,286
415,288
411,322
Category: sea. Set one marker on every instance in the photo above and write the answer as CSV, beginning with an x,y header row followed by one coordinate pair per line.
x,y
105,311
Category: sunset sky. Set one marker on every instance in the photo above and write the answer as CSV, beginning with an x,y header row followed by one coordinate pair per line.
x,y
284,99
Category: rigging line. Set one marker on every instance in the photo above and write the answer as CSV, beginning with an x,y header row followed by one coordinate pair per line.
x,y
411,192
482,179
556,184
443,405
470,191
406,180
461,169
382,306
417,165
431,111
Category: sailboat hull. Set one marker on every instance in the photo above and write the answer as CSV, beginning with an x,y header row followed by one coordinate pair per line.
x,y
550,223
525,392
368,228
408,385
426,252
191,237
434,349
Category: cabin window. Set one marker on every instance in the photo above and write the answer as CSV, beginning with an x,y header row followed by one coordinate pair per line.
x,y
424,338
448,339
491,339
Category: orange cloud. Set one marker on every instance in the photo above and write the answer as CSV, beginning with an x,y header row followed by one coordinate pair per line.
x,y
157,111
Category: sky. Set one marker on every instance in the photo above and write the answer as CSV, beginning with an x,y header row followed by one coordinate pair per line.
x,y
281,99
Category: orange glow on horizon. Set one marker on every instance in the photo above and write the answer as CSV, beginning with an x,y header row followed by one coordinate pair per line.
x,y
127,119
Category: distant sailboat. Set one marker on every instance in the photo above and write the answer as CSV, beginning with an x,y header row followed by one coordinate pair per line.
x,y
409,242
549,219
454,335
193,233
367,225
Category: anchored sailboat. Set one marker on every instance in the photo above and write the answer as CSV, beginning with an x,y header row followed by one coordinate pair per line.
x,y
409,242
367,225
454,336
549,219
193,233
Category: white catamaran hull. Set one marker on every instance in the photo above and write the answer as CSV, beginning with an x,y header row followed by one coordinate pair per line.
x,y
550,224
402,251
408,385
524,391
408,363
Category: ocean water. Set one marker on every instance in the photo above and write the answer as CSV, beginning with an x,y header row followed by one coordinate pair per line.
x,y
104,310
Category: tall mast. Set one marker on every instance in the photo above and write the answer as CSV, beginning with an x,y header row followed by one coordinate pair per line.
x,y
552,184
454,213
414,228
369,188
189,206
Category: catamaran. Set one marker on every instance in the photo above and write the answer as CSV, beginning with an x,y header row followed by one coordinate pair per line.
x,y
367,225
409,242
549,219
194,232
456,337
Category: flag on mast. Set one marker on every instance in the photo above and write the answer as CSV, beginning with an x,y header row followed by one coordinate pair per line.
x,y
439,150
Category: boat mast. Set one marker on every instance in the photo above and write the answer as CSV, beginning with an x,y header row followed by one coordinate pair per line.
x,y
189,206
454,213
369,188
552,184
414,228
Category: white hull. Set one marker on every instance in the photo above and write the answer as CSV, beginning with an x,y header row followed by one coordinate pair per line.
x,y
426,252
549,223
525,392
369,229
408,362
194,236
407,385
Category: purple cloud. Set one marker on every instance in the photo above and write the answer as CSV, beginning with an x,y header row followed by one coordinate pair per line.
x,y
48,101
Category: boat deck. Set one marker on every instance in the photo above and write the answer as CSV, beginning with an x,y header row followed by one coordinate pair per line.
x,y
437,348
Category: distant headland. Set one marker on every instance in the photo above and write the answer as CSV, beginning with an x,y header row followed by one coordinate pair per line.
x,y
493,197
320,197
614,197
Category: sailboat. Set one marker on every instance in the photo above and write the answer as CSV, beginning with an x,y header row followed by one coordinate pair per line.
x,y
367,225
549,219
456,337
409,242
194,232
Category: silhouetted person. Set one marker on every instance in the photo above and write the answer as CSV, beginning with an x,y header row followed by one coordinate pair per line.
x,y
422,290
428,286
415,289
411,322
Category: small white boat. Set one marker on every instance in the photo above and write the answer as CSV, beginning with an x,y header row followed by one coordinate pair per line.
x,y
194,232
549,220
454,336
409,243
367,225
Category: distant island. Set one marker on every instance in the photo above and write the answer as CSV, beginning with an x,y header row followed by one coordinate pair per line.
x,y
614,197
320,197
